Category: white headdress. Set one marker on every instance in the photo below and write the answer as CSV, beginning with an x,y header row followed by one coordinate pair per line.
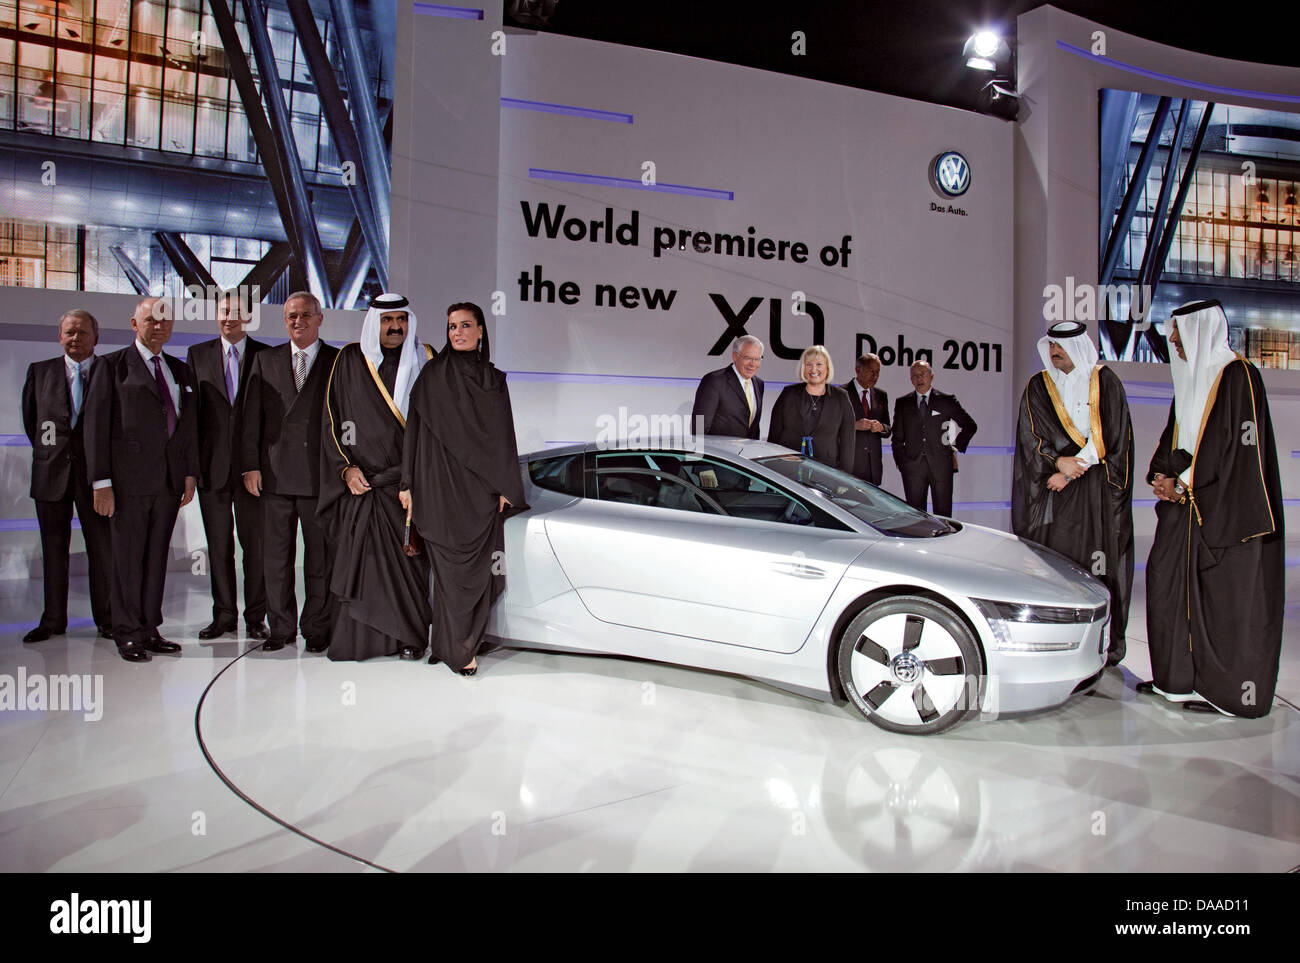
x,y
1073,386
1203,331
412,358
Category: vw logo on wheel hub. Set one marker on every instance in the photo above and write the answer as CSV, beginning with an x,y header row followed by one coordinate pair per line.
x,y
906,667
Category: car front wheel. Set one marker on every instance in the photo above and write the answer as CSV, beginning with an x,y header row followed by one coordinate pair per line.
x,y
910,665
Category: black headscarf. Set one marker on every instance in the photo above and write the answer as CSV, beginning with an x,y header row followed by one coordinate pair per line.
x,y
465,405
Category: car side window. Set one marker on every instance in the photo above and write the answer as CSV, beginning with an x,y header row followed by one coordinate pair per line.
x,y
744,495
642,486
562,474
707,483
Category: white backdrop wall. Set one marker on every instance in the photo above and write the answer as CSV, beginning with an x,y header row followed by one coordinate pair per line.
x,y
803,162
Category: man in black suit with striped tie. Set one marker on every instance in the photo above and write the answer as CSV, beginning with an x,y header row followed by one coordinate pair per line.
x,y
280,438
54,401
221,368
142,451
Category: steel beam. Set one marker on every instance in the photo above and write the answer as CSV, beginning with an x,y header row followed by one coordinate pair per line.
x,y
1159,215
286,148
189,267
267,271
129,268
1134,193
1119,332
362,102
352,270
1157,343
250,99
345,135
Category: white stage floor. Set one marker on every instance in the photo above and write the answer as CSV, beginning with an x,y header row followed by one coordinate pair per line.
x,y
571,763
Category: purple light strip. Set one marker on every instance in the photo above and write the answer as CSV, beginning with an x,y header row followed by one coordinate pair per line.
x,y
972,450
1183,81
453,13
566,109
574,378
981,506
20,441
1286,502
632,182
24,626
28,525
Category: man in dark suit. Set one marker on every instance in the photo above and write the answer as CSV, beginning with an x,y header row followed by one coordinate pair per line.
x,y
221,368
730,401
870,419
928,425
142,451
280,439
54,402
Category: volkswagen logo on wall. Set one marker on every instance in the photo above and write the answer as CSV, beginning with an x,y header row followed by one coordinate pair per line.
x,y
950,174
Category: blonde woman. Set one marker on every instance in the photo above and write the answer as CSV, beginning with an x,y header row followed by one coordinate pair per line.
x,y
814,415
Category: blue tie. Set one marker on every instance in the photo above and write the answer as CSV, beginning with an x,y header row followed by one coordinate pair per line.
x,y
76,391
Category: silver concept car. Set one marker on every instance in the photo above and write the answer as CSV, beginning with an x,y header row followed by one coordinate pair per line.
x,y
745,557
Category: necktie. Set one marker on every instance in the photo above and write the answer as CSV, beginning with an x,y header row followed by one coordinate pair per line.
x,y
749,397
925,408
866,402
232,373
77,395
300,370
165,394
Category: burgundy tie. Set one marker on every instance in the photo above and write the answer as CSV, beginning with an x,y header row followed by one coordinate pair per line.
x,y
165,394
866,403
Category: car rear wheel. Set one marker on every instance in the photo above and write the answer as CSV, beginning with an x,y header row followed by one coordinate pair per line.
x,y
910,665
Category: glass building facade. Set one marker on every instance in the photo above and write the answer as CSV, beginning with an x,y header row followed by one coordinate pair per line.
x,y
1235,238
143,76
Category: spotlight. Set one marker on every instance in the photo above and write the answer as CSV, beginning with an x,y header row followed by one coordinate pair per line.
x,y
986,50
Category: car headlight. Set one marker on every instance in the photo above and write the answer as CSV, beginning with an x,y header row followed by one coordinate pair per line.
x,y
1002,615
1045,614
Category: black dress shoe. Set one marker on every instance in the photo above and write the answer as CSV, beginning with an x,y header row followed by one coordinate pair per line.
x,y
40,634
213,630
1196,705
160,645
465,672
133,652
257,632
104,632
317,645
410,653
434,660
1146,688
273,645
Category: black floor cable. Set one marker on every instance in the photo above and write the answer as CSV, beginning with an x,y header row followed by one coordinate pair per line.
x,y
198,732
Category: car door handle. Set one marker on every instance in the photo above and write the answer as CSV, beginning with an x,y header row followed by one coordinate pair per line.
x,y
798,569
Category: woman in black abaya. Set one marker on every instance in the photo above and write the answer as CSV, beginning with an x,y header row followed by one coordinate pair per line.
x,y
460,471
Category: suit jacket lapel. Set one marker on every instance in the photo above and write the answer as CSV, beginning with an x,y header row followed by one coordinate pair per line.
x,y
245,364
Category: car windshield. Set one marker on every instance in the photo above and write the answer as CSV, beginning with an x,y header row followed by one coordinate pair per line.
x,y
879,509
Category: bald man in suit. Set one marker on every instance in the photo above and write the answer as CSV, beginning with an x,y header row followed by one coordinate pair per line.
x,y
142,452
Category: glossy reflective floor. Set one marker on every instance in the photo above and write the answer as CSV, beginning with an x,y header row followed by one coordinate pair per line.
x,y
558,762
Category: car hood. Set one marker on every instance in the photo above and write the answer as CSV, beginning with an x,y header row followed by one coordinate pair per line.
x,y
984,563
